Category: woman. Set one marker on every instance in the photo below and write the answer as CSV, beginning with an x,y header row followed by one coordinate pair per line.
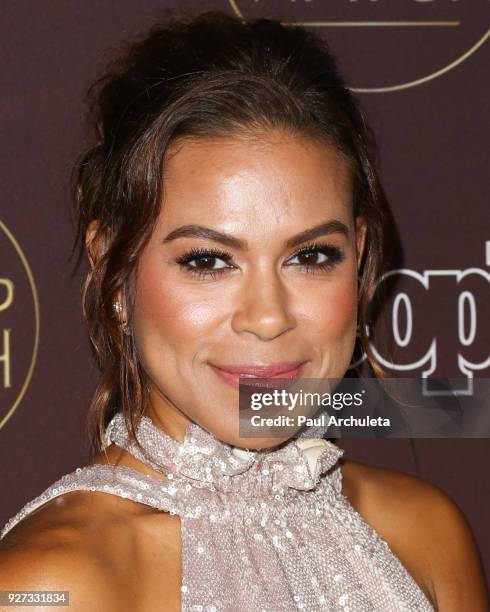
x,y
235,224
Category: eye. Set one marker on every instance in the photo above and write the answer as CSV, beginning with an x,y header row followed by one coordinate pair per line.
x,y
202,262
318,257
211,263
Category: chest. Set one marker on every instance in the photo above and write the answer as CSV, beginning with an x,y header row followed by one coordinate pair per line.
x,y
251,564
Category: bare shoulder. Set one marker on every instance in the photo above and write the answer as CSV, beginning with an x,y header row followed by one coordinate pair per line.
x,y
427,531
68,545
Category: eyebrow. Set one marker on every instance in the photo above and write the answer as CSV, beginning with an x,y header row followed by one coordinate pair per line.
x,y
200,231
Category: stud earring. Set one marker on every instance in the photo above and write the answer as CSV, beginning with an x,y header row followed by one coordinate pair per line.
x,y
124,326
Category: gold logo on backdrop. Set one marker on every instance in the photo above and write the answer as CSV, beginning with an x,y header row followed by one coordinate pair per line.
x,y
19,324
402,44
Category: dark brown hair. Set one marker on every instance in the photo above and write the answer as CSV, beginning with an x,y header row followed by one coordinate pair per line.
x,y
207,76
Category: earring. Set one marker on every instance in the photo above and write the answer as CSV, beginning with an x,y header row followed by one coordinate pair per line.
x,y
118,308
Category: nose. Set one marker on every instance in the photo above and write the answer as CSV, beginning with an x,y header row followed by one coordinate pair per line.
x,y
263,307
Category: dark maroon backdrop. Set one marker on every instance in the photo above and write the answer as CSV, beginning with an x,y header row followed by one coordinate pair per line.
x,y
423,69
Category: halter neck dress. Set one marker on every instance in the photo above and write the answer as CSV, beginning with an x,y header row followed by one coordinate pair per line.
x,y
266,530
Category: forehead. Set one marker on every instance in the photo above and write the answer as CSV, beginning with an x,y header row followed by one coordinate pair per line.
x,y
276,179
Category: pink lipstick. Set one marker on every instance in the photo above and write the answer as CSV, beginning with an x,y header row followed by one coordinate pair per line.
x,y
246,374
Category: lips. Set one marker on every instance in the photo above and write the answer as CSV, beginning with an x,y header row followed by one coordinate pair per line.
x,y
244,374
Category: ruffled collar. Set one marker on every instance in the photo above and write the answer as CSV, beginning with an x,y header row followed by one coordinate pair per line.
x,y
201,460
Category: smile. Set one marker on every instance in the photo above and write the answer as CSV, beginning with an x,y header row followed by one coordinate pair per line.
x,y
234,375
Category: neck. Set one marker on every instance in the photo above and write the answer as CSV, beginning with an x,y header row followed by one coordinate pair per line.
x,y
167,416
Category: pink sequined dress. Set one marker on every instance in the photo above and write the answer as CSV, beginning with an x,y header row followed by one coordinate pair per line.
x,y
261,531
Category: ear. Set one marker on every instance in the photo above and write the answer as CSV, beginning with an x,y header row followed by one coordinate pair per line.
x,y
95,242
361,227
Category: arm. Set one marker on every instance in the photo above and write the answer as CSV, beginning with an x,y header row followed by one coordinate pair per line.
x,y
56,567
455,567
426,530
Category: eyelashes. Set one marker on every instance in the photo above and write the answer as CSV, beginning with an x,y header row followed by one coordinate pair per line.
x,y
313,259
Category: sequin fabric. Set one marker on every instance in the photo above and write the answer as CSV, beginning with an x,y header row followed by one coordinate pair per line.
x,y
261,531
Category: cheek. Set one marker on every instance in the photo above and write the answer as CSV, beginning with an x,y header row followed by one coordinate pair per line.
x,y
169,312
343,314
336,311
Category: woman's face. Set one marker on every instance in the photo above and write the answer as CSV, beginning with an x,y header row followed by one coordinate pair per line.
x,y
253,262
